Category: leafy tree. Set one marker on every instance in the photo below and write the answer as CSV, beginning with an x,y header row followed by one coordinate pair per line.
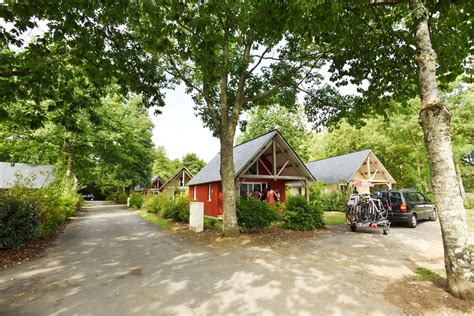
x,y
110,144
193,163
164,166
462,127
121,146
231,57
407,48
291,123
84,36
397,142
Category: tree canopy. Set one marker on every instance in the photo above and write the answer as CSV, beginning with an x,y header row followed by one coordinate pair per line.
x,y
291,124
110,144
69,38
381,63
165,167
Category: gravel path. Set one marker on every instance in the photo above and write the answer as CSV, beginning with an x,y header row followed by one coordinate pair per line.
x,y
110,261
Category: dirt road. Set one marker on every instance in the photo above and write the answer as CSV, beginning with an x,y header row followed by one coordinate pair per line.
x,y
110,261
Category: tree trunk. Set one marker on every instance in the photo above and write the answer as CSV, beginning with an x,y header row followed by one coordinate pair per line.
x,y
230,227
435,120
70,165
461,184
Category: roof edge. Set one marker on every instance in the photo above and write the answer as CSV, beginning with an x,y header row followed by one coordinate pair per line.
x,y
359,151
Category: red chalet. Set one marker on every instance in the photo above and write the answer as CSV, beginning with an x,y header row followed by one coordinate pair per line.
x,y
265,161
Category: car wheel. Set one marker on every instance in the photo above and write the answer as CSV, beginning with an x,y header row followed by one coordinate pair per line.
x,y
434,216
413,221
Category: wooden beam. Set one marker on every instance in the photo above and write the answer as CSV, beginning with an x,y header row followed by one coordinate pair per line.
x,y
306,190
295,166
265,166
368,167
237,189
256,158
373,176
279,172
254,176
274,158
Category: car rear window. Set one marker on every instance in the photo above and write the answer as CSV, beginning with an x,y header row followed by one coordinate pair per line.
x,y
395,199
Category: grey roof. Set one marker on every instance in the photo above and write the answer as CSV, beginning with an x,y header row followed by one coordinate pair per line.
x,y
32,176
339,169
243,153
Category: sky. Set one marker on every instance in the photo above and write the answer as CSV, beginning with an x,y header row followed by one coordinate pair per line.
x,y
180,131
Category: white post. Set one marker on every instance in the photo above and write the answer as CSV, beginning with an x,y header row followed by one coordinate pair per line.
x,y
196,216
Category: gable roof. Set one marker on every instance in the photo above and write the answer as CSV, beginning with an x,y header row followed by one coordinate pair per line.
x,y
338,169
155,178
33,176
178,173
243,155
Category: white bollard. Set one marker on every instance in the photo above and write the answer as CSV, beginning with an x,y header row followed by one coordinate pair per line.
x,y
196,216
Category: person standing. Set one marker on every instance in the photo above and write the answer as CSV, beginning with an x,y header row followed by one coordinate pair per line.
x,y
270,195
256,194
277,196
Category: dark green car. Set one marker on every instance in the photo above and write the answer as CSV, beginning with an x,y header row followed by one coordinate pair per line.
x,y
407,206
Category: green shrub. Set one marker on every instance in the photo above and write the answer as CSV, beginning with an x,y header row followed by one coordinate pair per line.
x,y
328,201
255,214
118,197
300,215
212,222
51,211
156,203
178,210
469,203
29,214
19,220
112,196
333,201
182,202
136,200
122,198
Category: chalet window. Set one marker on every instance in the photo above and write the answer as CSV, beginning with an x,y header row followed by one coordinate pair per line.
x,y
246,188
181,181
194,193
209,192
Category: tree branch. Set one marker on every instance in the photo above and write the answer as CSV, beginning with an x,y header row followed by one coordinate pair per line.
x,y
386,2
204,91
280,84
259,61
12,73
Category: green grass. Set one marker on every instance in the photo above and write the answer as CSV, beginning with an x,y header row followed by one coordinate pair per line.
x,y
334,218
423,274
211,223
155,219
470,219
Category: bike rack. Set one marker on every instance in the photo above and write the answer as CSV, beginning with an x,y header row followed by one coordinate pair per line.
x,y
364,212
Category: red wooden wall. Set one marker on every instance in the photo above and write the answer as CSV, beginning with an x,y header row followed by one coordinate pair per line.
x,y
212,207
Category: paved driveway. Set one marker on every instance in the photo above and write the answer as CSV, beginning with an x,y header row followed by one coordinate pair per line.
x,y
111,262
